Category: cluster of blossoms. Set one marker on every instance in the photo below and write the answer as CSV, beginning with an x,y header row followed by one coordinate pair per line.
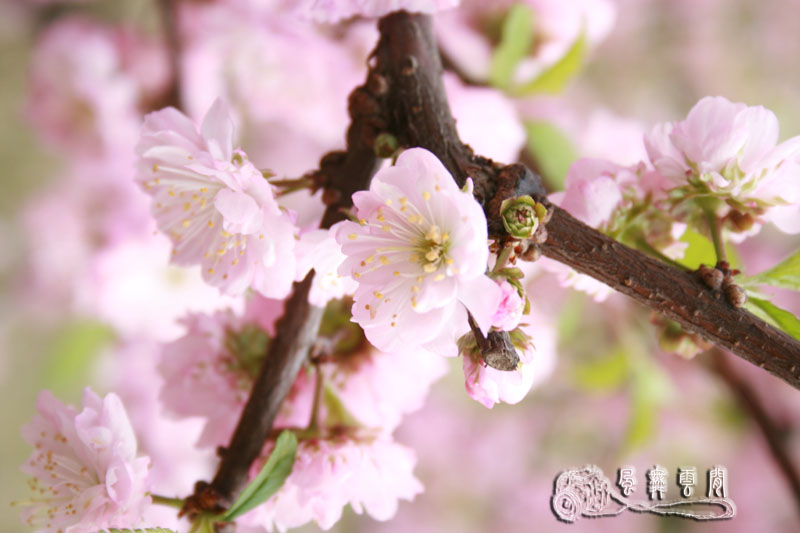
x,y
86,475
343,407
409,280
722,161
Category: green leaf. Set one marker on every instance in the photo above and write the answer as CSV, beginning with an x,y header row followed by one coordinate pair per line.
x,y
785,274
73,350
604,374
553,80
269,479
774,315
552,151
515,43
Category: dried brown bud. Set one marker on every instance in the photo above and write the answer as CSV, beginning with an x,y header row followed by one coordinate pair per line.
x,y
531,253
735,295
712,277
500,353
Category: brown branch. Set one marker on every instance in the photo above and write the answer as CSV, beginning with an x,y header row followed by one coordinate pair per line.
x,y
420,116
749,399
677,294
168,10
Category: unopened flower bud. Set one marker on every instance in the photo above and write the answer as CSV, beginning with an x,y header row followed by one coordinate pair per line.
x,y
740,221
521,216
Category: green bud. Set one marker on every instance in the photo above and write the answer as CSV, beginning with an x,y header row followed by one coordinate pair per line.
x,y
386,145
521,216
248,347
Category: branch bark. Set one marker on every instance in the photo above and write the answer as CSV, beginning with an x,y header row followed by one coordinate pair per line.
x,y
420,116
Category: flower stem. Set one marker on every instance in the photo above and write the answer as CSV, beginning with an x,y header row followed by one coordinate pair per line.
x,y
313,424
716,235
293,184
502,258
169,502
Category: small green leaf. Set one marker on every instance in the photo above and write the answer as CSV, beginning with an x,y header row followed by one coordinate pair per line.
x,y
552,151
515,43
785,274
553,80
269,479
771,313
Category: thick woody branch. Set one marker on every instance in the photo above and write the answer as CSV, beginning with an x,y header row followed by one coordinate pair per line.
x,y
675,293
420,116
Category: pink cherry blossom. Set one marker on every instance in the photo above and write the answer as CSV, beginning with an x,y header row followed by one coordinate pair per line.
x,y
593,191
733,150
336,10
86,475
419,255
214,204
319,250
371,473
509,313
378,388
204,374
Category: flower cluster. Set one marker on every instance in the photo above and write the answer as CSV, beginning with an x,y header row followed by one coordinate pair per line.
x,y
213,203
86,475
729,152
343,408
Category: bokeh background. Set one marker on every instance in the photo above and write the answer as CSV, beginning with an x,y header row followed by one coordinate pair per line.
x,y
614,397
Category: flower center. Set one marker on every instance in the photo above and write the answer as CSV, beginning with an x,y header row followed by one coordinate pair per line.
x,y
433,248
